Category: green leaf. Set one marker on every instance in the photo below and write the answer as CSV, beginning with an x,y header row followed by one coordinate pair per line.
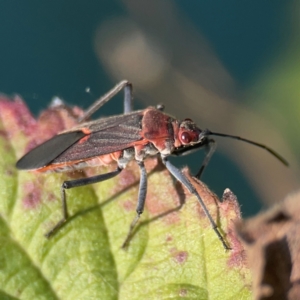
x,y
173,252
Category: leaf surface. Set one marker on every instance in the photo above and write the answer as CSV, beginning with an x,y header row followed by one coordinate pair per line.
x,y
172,254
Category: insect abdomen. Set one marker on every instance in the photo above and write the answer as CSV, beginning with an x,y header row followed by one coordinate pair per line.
x,y
101,160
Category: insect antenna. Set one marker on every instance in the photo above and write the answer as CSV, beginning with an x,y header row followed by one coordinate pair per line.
x,y
274,153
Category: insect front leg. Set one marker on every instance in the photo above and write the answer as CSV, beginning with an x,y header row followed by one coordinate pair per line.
x,y
76,183
211,147
183,179
128,100
141,201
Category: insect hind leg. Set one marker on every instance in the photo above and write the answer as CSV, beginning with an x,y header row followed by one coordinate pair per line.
x,y
160,107
76,183
128,100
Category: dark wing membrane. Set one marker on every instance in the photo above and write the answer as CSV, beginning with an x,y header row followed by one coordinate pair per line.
x,y
107,135
45,153
130,120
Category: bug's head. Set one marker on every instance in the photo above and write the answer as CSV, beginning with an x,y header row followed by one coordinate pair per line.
x,y
191,137
189,133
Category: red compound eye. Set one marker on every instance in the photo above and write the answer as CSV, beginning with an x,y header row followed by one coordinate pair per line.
x,y
186,137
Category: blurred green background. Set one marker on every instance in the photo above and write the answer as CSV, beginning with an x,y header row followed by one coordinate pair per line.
x,y
231,66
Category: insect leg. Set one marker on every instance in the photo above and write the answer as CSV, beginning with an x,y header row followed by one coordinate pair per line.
x,y
211,147
180,177
75,183
128,99
160,107
141,201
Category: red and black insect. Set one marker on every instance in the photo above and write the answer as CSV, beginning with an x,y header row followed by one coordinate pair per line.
x,y
134,135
